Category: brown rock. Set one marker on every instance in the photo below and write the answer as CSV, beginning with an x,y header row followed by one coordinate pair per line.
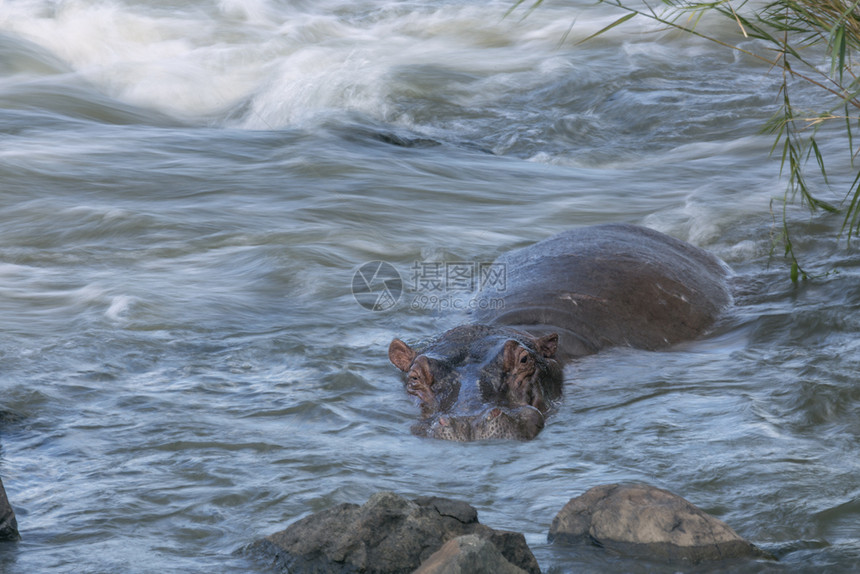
x,y
8,524
387,535
647,521
469,554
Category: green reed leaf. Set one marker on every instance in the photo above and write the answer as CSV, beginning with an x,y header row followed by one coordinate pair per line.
x,y
609,27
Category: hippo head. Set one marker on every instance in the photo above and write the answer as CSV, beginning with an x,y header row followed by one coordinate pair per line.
x,y
480,382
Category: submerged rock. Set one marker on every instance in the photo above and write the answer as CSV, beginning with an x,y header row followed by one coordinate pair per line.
x,y
8,524
387,535
648,522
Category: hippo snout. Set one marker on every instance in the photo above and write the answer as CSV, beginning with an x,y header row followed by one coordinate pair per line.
x,y
520,423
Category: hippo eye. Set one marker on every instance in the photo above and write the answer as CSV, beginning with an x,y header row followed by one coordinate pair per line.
x,y
524,360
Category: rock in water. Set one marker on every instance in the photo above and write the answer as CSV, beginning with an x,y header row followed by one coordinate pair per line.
x,y
387,535
468,554
8,524
647,521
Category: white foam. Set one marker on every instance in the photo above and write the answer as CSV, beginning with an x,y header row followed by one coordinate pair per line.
x,y
119,305
289,63
173,63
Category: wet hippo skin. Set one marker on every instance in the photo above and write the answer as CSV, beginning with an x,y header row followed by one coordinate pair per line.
x,y
565,297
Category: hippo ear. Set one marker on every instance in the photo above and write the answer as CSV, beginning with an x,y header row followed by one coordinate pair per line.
x,y
401,355
547,345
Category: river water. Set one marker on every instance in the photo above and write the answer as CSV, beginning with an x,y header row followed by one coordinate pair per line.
x,y
188,189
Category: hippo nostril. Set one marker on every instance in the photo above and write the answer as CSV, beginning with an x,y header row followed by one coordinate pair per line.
x,y
444,421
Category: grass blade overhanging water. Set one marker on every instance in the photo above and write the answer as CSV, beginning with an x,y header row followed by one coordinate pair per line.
x,y
794,36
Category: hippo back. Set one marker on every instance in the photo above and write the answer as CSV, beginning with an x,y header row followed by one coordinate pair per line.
x,y
609,285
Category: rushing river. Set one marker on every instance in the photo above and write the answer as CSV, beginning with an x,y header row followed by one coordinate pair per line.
x,y
186,192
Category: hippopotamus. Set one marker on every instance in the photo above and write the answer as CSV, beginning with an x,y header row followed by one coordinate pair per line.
x,y
565,297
